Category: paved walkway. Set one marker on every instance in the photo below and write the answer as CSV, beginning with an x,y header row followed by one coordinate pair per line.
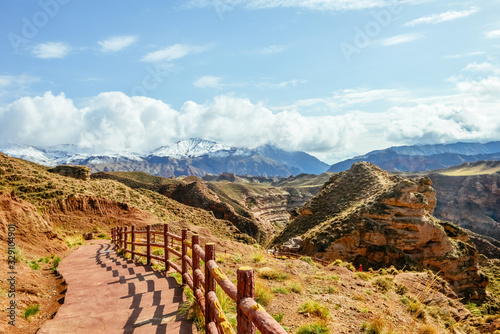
x,y
108,294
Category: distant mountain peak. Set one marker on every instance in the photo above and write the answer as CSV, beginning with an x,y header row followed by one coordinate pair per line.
x,y
190,148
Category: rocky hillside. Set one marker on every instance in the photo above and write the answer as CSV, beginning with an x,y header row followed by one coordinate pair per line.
x,y
469,195
374,219
258,207
51,211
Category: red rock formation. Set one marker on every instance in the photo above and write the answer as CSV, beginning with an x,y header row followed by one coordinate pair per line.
x,y
369,217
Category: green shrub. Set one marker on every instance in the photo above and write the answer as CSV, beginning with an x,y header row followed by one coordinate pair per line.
x,y
373,327
263,294
332,289
384,284
333,277
315,308
237,258
278,317
55,263
31,310
272,274
314,328
34,265
474,310
307,259
362,275
177,277
282,290
258,258
158,252
295,287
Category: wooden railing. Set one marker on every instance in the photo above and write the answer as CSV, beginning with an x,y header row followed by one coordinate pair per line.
x,y
250,314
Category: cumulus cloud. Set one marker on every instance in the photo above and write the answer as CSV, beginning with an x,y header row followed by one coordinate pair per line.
x,y
116,43
114,121
173,52
51,50
442,17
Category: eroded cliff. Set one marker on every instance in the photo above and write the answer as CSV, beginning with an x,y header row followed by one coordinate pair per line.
x,y
369,217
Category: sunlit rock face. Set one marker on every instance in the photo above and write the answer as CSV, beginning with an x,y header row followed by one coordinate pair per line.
x,y
369,217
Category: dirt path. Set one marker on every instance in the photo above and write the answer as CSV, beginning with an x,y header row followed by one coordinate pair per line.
x,y
107,294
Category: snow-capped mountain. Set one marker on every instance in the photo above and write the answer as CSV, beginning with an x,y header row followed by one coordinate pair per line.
x,y
188,157
191,148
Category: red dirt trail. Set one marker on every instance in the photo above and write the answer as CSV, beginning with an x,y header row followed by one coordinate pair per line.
x,y
109,294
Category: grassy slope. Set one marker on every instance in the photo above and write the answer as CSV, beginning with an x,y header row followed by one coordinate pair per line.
x,y
36,185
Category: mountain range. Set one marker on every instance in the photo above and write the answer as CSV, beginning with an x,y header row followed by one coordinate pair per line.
x,y
201,157
187,157
419,158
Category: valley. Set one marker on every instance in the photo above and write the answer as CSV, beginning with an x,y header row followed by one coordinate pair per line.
x,y
245,215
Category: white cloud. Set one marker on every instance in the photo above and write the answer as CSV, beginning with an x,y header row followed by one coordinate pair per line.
x,y
493,34
22,80
116,43
280,85
208,81
324,5
115,121
51,50
483,67
271,49
15,86
465,55
400,39
173,52
443,17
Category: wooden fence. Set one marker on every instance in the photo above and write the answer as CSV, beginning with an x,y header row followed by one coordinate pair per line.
x,y
250,314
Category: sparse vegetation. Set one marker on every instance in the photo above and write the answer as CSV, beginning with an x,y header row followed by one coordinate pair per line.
x,y
307,259
314,308
384,284
295,287
375,326
263,294
280,289
272,274
31,310
314,328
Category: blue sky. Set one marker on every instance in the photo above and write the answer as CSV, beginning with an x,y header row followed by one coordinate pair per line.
x,y
335,78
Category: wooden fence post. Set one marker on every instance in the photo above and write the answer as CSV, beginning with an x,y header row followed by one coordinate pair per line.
x,y
184,254
112,235
120,238
132,238
125,243
165,247
148,245
246,288
209,283
195,240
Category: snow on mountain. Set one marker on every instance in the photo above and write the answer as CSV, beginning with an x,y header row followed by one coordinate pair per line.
x,y
29,153
193,148
204,155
